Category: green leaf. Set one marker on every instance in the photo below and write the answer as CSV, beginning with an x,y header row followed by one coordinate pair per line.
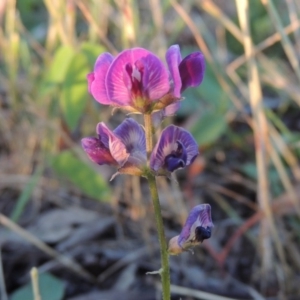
x,y
60,64
51,288
209,128
26,193
211,91
67,166
74,93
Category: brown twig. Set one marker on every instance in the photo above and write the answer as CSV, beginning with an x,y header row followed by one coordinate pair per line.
x,y
64,260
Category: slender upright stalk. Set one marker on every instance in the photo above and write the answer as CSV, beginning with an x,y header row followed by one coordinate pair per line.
x,y
148,132
165,269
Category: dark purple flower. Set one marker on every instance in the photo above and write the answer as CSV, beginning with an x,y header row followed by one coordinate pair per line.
x,y
125,147
196,229
134,80
175,149
187,72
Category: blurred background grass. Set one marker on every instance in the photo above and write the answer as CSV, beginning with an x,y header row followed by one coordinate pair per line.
x,y
245,117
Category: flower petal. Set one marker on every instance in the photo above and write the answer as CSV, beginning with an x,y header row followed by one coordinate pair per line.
x,y
192,70
168,111
117,89
133,137
171,109
174,142
113,143
173,58
96,80
173,247
155,79
90,78
197,226
97,152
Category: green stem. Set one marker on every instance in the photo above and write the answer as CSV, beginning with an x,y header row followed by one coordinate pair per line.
x,y
164,256
165,269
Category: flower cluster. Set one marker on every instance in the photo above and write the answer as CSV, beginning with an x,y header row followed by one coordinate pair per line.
x,y
137,81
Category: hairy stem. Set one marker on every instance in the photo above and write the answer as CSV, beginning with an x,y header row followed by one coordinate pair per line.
x,y
165,272
165,269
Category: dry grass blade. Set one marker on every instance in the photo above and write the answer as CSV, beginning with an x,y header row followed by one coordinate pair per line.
x,y
217,13
291,160
281,206
278,78
288,155
261,143
202,45
238,197
3,295
57,13
192,26
281,35
196,293
284,176
294,19
35,283
268,42
157,14
225,21
64,260
88,16
133,256
286,43
127,12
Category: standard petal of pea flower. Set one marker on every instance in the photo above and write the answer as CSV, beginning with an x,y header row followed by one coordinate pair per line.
x,y
196,229
133,80
176,148
125,147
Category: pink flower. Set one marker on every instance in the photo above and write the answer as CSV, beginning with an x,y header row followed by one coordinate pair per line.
x,y
124,148
134,80
138,81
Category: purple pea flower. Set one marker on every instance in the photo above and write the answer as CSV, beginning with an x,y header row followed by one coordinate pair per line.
x,y
187,72
176,148
196,229
134,80
137,80
124,148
